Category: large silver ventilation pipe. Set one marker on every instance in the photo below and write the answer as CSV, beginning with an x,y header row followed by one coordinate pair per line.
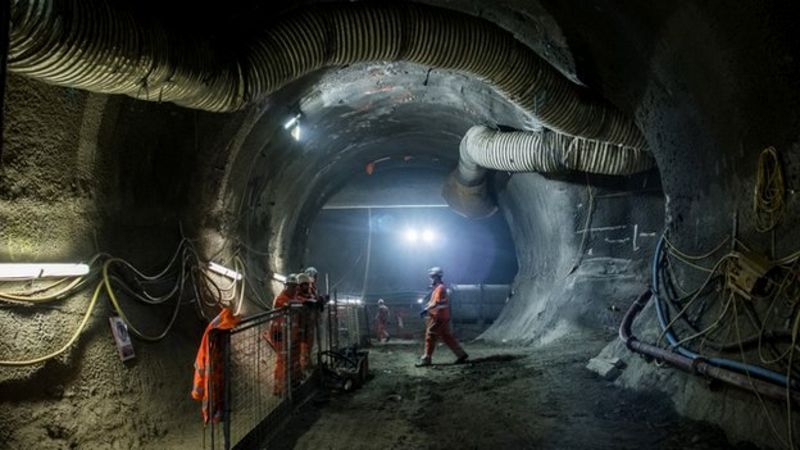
x,y
98,46
542,151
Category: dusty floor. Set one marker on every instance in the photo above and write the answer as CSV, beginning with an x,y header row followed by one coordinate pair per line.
x,y
507,398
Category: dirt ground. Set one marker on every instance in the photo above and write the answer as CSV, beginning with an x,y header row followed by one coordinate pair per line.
x,y
507,397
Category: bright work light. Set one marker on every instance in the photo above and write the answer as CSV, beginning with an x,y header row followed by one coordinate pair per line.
x,y
411,235
224,271
15,271
291,122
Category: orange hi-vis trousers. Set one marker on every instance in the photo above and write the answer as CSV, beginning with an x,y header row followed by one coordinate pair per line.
x,y
282,354
308,327
436,329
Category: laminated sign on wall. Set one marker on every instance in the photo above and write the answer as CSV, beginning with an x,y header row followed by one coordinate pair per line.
x,y
123,339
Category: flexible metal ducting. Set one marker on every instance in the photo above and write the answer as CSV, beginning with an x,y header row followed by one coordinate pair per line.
x,y
520,151
98,46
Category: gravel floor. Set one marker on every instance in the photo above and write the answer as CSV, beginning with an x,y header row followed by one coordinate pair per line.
x,y
506,398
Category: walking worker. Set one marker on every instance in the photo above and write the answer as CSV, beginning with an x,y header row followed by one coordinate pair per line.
x,y
437,321
382,321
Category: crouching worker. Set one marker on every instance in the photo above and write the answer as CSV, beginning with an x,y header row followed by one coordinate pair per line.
x,y
208,383
437,321
285,351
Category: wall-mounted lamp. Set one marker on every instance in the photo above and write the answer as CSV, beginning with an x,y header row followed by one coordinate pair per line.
x,y
278,277
24,271
224,271
292,121
294,124
296,132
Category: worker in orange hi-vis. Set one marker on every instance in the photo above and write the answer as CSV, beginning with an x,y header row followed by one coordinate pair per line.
x,y
382,321
307,319
207,385
275,335
437,322
315,303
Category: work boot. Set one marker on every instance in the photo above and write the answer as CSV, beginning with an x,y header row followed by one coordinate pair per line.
x,y
461,359
424,361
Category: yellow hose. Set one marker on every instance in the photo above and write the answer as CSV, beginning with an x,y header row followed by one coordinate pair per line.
x,y
768,195
45,298
71,340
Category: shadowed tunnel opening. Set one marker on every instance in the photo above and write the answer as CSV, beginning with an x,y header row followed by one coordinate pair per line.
x,y
268,138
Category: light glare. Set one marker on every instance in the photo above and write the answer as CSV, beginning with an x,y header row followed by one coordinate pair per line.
x,y
224,271
428,236
15,271
296,132
411,235
291,122
278,277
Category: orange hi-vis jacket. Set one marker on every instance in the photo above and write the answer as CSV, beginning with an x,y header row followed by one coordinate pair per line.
x,y
283,299
275,333
208,368
439,306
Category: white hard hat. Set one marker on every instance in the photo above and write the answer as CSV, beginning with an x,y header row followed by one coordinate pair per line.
x,y
312,271
435,271
380,301
303,278
291,279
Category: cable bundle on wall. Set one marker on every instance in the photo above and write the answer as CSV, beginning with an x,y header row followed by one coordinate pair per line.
x,y
783,286
98,46
108,274
769,191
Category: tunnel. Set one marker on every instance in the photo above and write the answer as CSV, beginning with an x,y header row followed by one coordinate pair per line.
x,y
605,188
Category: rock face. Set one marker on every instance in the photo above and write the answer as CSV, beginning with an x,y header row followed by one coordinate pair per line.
x,y
710,85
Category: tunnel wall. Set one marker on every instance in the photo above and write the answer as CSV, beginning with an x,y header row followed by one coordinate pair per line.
x,y
568,280
711,85
84,173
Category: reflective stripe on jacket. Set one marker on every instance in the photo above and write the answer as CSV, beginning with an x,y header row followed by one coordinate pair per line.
x,y
208,366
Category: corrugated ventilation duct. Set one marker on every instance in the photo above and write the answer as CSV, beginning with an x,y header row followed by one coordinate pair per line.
x,y
95,45
520,151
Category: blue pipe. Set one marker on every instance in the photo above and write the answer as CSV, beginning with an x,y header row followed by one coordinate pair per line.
x,y
738,366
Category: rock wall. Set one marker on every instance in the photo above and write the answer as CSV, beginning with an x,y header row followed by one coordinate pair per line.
x,y
84,173
582,252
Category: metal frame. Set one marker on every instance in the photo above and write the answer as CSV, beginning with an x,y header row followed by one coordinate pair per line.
x,y
246,353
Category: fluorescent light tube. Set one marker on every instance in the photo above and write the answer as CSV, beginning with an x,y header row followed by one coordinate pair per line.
x,y
224,271
16,271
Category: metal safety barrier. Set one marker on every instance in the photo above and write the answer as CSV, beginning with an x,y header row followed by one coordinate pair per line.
x,y
272,363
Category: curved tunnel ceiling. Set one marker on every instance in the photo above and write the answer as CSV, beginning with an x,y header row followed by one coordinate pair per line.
x,y
396,111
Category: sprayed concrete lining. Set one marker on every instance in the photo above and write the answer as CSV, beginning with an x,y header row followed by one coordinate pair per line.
x,y
84,172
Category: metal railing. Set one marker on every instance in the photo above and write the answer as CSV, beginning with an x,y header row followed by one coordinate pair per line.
x,y
267,366
271,362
